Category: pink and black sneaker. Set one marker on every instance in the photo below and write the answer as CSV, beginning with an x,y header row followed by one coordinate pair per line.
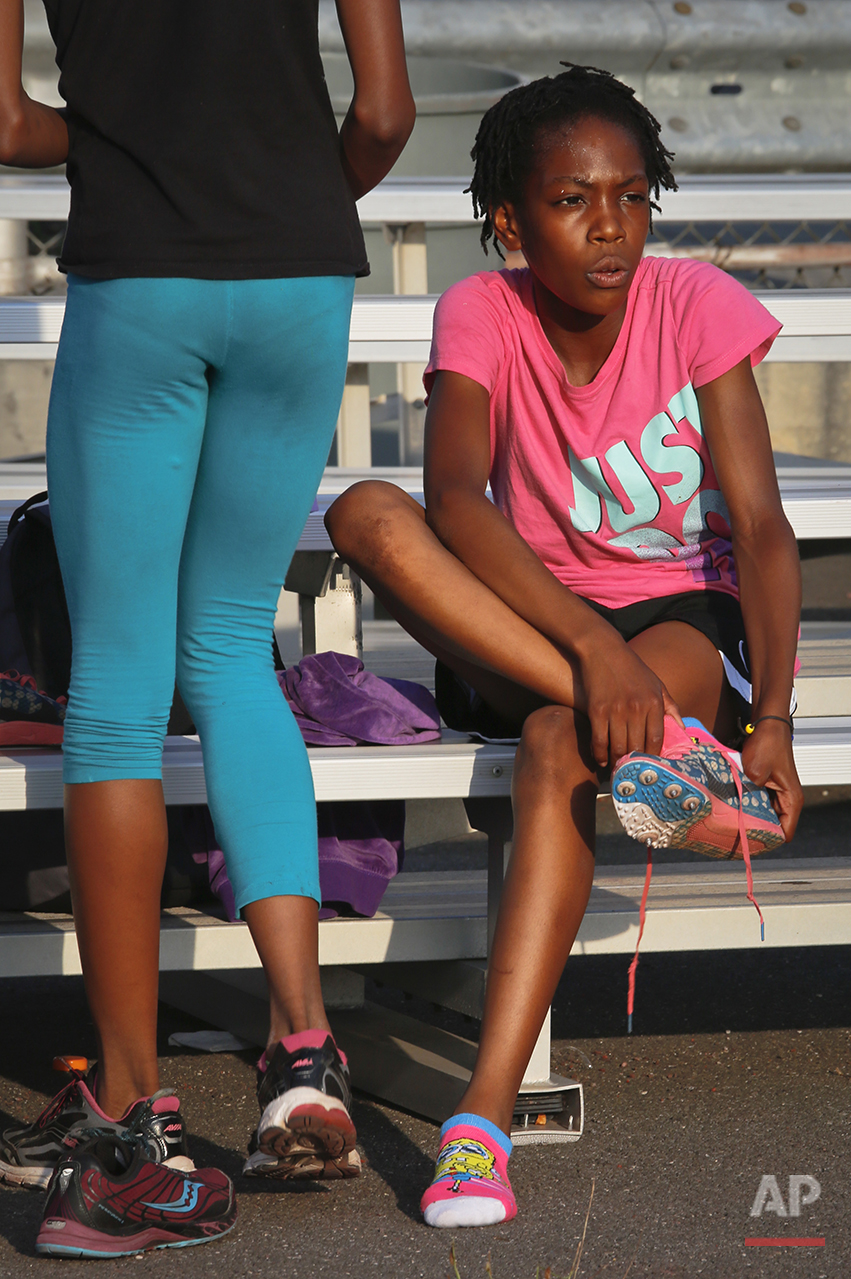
x,y
29,1153
29,717
305,1130
110,1199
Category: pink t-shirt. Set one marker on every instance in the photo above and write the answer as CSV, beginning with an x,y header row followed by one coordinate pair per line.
x,y
611,484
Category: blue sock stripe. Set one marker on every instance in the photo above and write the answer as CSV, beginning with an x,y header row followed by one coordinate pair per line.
x,y
485,1125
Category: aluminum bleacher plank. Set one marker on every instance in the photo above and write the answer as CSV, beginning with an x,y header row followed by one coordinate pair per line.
x,y
817,508
715,198
817,505
35,197
424,917
443,915
32,777
456,767
389,328
29,321
805,902
823,751
823,684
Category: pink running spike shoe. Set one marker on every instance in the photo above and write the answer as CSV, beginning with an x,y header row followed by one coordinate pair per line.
x,y
694,796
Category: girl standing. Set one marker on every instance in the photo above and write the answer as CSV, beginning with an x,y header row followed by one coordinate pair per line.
x,y
211,252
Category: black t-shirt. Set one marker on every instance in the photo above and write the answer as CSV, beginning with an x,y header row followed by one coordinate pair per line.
x,y
202,141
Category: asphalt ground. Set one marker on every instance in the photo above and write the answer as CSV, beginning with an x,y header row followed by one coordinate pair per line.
x,y
739,1069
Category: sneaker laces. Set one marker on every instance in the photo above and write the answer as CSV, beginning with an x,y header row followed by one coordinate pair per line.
x,y
60,1101
746,852
734,760
134,1136
736,770
642,916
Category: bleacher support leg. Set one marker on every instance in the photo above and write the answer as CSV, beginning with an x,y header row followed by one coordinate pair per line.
x,y
354,444
13,256
549,1108
410,276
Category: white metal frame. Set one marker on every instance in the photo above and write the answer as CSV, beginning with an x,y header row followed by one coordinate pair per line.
x,y
443,201
387,328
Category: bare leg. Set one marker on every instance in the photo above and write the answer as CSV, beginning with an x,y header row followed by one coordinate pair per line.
x,y
691,667
285,934
545,895
117,841
382,533
552,861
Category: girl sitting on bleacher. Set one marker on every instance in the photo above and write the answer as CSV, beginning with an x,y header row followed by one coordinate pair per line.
x,y
634,566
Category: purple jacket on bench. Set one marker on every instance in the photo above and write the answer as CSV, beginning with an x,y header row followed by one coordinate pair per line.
x,y
337,702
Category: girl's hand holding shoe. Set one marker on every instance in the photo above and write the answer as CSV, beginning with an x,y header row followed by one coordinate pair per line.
x,y
768,761
625,701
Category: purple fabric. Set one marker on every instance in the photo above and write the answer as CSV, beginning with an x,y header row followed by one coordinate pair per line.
x,y
200,835
361,847
361,843
338,703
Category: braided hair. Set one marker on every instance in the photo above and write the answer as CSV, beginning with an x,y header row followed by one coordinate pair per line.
x,y
505,148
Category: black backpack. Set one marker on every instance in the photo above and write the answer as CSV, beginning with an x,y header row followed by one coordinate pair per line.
x,y
35,634
35,639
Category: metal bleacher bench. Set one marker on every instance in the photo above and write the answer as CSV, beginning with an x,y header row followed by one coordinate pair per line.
x,y
431,934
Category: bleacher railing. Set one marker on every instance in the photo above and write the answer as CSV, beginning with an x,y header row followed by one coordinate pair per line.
x,y
781,235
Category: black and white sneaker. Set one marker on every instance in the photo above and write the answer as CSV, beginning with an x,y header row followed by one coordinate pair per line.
x,y
28,1154
305,1129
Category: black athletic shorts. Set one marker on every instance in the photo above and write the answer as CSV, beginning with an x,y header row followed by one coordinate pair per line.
x,y
714,613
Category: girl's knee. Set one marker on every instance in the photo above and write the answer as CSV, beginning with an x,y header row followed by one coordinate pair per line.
x,y
553,743
364,523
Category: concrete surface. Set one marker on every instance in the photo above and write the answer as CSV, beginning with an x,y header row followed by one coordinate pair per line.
x,y
740,1069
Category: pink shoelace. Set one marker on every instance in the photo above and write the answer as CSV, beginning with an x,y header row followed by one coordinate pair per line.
x,y
642,910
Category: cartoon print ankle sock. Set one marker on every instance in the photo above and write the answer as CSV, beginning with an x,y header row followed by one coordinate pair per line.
x,y
470,1186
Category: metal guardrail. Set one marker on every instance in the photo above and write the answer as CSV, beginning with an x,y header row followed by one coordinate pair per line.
x,y
738,85
783,230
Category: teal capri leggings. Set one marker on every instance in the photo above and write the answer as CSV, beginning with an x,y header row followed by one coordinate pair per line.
x,y
189,424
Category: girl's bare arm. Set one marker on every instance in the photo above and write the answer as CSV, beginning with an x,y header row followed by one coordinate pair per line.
x,y
623,699
32,135
381,116
768,570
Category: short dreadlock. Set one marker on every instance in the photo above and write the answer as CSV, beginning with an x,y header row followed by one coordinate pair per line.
x,y
504,151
